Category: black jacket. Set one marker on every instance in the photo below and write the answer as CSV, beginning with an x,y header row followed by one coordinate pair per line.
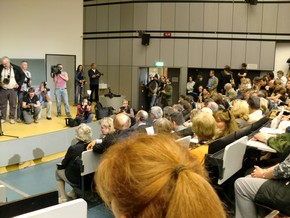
x,y
111,139
19,74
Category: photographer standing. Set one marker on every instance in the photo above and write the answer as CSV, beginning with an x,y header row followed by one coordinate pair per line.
x,y
43,93
60,78
12,78
23,89
31,107
80,80
94,75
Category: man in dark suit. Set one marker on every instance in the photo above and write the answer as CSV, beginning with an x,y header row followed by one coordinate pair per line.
x,y
12,78
141,121
94,75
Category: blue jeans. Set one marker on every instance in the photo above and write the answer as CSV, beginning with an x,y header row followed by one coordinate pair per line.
x,y
19,105
78,92
61,94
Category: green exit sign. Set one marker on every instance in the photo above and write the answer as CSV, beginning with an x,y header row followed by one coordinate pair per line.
x,y
159,64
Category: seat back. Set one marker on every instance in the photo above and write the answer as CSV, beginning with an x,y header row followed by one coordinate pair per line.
x,y
2,194
221,143
185,141
90,161
73,209
258,124
233,158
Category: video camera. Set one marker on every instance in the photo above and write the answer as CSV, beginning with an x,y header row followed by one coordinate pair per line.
x,y
55,70
31,109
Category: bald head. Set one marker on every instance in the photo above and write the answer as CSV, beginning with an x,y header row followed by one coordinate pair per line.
x,y
122,122
142,116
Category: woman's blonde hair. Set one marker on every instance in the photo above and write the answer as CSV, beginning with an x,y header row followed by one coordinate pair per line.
x,y
204,126
108,123
83,133
153,176
163,125
230,121
240,109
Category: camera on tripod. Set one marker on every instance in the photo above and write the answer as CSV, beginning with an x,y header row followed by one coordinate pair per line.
x,y
55,70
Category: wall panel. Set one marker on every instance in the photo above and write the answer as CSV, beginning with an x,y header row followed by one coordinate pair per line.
x,y
225,21
182,17
153,52
154,16
125,81
267,59
139,53
238,54
211,17
126,16
102,52
102,18
283,18
253,50
114,17
224,53
167,52
255,18
140,16
196,20
114,78
90,19
89,51
195,53
180,52
167,16
240,18
269,21
113,51
209,54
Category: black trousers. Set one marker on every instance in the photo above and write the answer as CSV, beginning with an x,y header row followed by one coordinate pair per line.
x,y
95,90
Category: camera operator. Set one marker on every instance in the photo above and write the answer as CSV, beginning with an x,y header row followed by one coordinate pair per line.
x,y
84,111
80,80
43,93
12,78
60,78
31,107
94,75
23,90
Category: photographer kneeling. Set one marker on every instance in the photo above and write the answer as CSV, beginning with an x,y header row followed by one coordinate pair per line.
x,y
43,93
84,111
31,107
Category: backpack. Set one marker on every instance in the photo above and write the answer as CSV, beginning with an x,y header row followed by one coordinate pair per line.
x,y
72,122
102,112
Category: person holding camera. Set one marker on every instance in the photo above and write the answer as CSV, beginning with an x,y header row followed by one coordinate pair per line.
x,y
43,93
60,78
12,78
84,111
80,80
31,107
23,89
94,75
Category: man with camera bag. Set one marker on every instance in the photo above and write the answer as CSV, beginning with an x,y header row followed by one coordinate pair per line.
x,y
94,75
12,78
31,107
43,93
60,78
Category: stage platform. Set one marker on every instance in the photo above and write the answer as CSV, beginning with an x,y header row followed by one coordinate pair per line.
x,y
48,139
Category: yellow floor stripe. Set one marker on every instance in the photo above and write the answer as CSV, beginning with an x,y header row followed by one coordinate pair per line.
x,y
31,162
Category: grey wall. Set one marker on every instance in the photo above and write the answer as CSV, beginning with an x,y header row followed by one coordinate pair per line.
x,y
204,35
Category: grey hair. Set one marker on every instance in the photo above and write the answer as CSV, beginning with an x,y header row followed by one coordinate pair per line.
x,y
84,133
228,85
5,57
157,112
142,115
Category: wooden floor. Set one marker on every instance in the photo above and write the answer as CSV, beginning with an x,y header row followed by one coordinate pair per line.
x,y
44,126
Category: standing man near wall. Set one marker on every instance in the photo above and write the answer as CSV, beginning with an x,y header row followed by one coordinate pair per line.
x,y
23,89
94,75
12,78
213,81
60,78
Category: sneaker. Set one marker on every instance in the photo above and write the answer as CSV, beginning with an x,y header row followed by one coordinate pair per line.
x,y
12,121
3,121
71,194
58,115
36,121
62,200
19,120
48,118
68,115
